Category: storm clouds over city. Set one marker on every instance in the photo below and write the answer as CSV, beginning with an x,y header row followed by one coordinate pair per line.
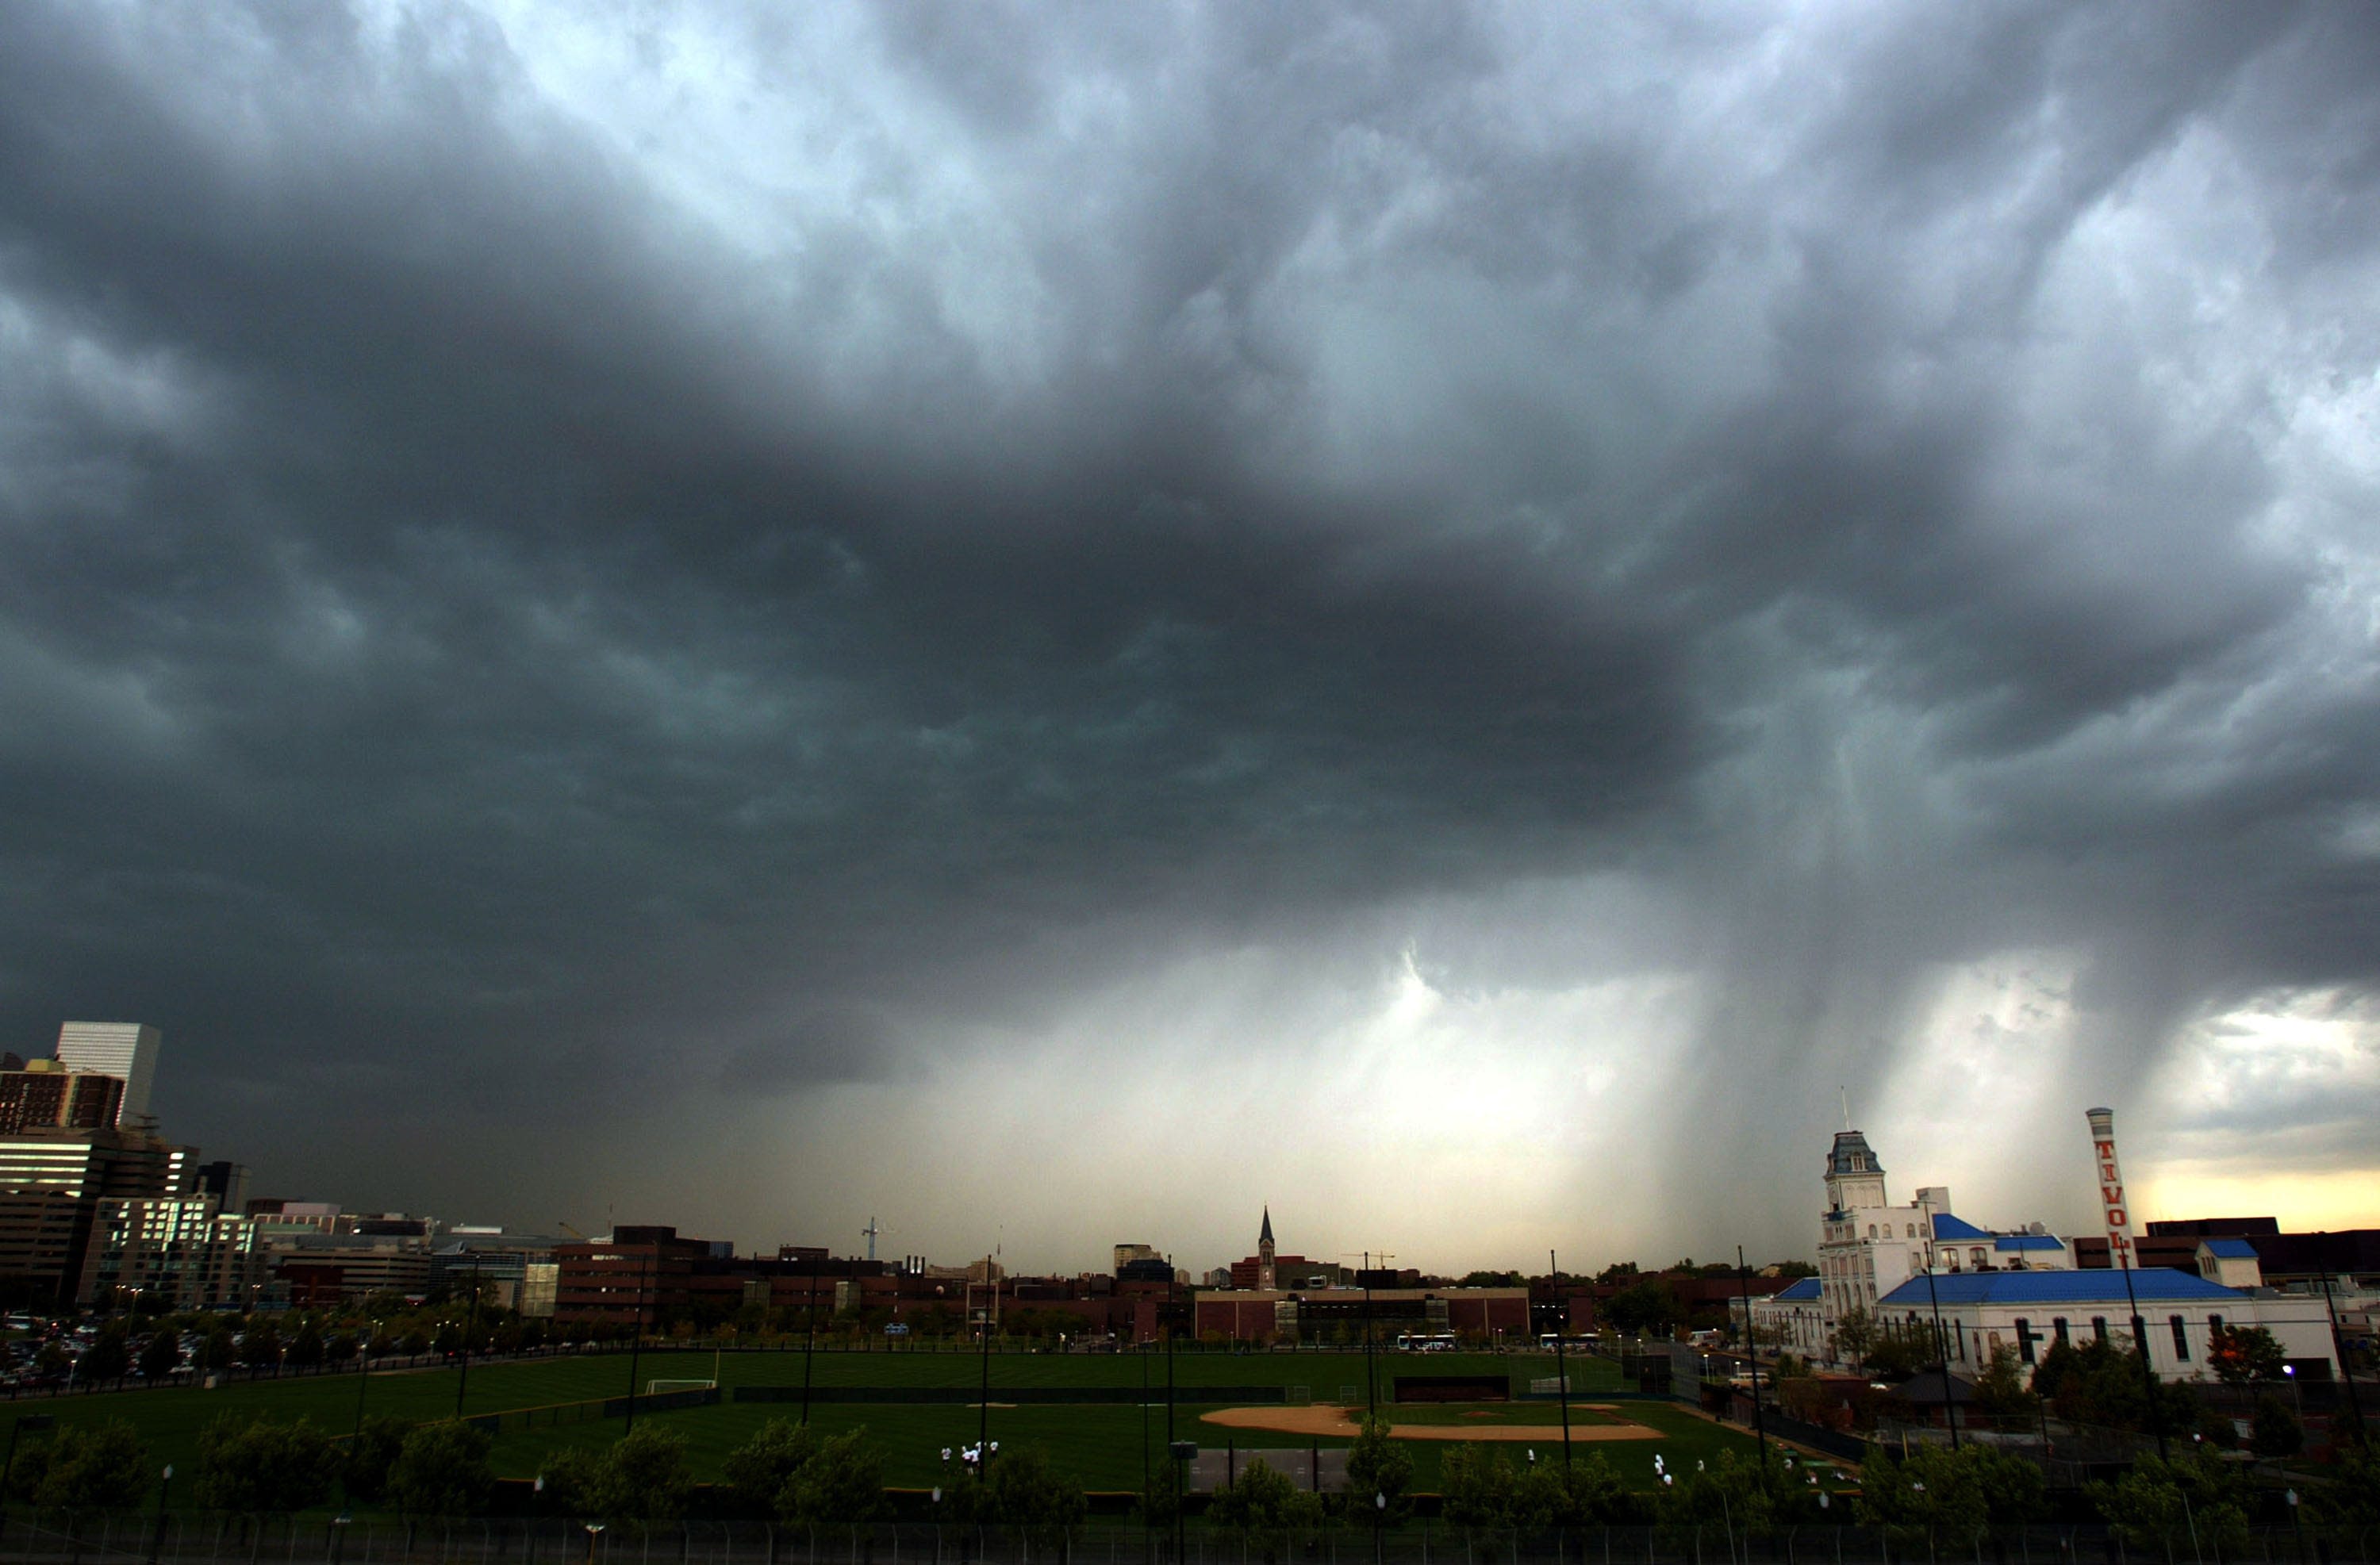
x,y
1049,623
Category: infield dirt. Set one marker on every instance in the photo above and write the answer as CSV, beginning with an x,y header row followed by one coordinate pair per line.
x,y
1341,1423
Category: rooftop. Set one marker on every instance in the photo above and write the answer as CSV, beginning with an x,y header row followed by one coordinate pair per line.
x,y
2162,1284
2229,1249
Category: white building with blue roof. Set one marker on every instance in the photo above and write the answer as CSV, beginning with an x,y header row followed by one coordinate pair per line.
x,y
2178,1312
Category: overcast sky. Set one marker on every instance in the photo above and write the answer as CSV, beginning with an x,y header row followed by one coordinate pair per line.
x,y
1051,623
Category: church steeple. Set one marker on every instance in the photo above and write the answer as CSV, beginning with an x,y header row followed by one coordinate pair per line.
x,y
1264,1250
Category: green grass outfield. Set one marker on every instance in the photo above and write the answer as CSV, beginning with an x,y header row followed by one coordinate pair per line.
x,y
1102,1444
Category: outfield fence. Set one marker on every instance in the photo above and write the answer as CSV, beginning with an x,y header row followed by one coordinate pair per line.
x,y
192,1538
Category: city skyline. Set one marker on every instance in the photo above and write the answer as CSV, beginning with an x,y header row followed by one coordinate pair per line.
x,y
1052,627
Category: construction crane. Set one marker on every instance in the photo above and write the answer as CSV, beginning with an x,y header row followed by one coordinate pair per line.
x,y
572,1229
871,1233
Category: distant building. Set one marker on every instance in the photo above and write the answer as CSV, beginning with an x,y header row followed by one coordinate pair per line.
x,y
44,1095
1125,1255
184,1251
52,1183
127,1051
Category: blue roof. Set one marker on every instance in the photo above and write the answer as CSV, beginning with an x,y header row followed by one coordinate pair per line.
x,y
2231,1249
2028,1241
2102,1287
1801,1292
1948,1227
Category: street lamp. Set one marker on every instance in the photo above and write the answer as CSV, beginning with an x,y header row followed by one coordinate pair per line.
x,y
592,1528
157,1538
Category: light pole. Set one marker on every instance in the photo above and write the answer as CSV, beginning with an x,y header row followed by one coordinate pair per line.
x,y
592,1528
636,1359
810,1338
1561,1369
157,1538
983,1408
1752,1356
470,1324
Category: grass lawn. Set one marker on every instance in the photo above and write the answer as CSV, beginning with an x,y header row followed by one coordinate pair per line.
x,y
1102,1444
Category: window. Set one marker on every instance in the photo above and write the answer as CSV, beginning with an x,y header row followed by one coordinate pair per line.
x,y
2059,1325
2099,1327
2213,1324
1871,1231
2024,1339
1976,1257
2181,1342
1912,1231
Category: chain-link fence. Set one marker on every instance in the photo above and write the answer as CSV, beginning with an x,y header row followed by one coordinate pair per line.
x,y
190,1538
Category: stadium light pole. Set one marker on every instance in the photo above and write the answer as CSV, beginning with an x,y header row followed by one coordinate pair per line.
x,y
1752,1356
1561,1367
636,1349
470,1324
809,1337
983,1409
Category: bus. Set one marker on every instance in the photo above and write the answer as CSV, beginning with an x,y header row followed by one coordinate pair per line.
x,y
1425,1342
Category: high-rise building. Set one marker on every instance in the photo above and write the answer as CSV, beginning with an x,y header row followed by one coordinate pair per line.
x,y
41,1093
127,1051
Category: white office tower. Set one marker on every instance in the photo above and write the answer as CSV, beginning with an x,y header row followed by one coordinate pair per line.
x,y
124,1049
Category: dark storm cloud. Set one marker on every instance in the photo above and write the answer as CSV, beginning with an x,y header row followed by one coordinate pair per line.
x,y
1197,476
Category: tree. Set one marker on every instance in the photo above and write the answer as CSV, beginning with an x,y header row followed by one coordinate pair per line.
x,y
256,1467
260,1346
841,1486
2163,1503
160,1355
339,1347
2001,1388
1477,1486
109,1357
1757,1496
306,1348
1379,1468
1647,1307
570,1481
1582,1493
372,1456
2275,1431
1024,1493
83,1468
1898,1351
2352,1497
2101,1383
758,1471
218,1350
441,1470
2241,1354
1854,1335
1928,1496
1264,1507
645,1477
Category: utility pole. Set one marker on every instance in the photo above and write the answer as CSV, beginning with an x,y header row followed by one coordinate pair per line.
x,y
2346,1367
1752,1356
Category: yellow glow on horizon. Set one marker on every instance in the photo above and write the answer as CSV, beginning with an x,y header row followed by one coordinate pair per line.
x,y
2305,1201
